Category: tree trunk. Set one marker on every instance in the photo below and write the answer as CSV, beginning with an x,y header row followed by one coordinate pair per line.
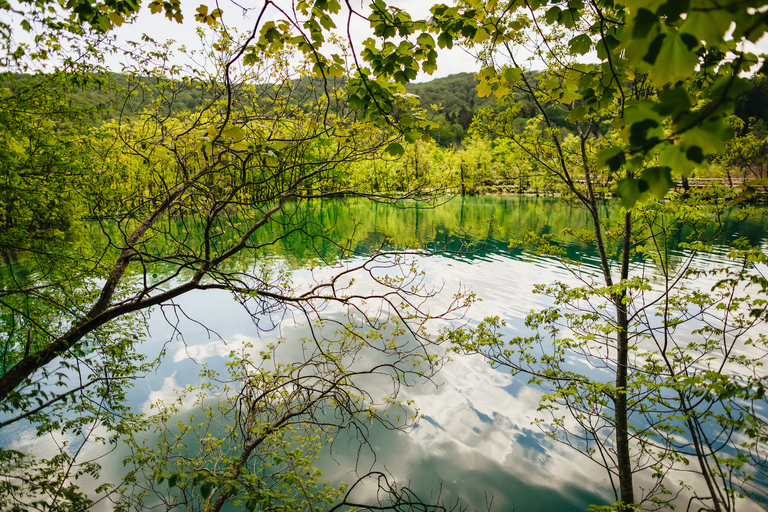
x,y
624,462
620,397
686,186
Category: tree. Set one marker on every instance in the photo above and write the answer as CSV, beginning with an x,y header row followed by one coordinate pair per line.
x,y
172,201
664,81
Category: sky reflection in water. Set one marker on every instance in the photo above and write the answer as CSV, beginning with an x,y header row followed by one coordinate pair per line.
x,y
476,438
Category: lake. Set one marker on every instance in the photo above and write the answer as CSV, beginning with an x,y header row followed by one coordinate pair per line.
x,y
476,442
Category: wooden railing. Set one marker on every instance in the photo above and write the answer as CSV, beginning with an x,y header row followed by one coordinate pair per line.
x,y
704,182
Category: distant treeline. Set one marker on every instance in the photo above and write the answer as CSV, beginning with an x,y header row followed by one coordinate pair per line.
x,y
110,96
95,98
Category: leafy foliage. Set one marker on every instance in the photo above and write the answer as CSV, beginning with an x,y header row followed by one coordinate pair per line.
x,y
164,199
193,169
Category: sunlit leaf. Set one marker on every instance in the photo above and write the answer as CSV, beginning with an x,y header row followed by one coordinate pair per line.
x,y
706,25
234,132
675,158
628,189
678,61
484,89
710,136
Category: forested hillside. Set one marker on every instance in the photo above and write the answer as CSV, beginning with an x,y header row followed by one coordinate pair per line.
x,y
459,102
108,96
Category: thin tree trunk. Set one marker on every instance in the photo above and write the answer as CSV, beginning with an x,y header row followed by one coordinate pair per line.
x,y
624,462
620,397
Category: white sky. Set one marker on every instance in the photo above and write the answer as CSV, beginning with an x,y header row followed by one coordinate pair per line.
x,y
160,29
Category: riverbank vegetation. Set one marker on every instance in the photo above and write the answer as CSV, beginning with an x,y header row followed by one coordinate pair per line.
x,y
121,193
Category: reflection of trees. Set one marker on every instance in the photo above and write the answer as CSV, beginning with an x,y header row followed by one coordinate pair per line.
x,y
254,434
194,202
614,376
694,389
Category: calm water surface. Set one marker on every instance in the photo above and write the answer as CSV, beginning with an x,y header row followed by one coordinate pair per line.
x,y
476,438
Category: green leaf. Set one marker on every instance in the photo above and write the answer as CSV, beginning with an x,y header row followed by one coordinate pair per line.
x,y
233,132
327,22
643,127
724,90
707,25
569,17
654,49
673,101
355,102
643,23
553,15
412,136
249,59
512,75
659,180
613,158
606,45
426,40
550,83
644,133
580,44
710,136
429,66
445,40
577,114
676,159
481,35
628,190
678,60
395,149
